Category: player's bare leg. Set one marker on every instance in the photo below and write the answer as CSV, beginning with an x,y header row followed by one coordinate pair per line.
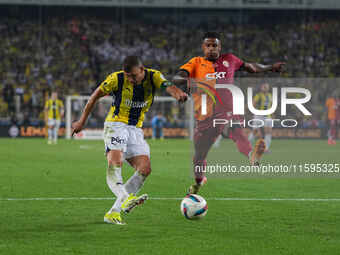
x,y
257,152
115,182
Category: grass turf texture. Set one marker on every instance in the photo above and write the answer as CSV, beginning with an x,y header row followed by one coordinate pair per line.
x,y
29,168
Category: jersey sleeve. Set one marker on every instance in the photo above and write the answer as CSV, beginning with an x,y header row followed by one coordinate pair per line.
x,y
238,63
46,104
159,80
189,66
110,84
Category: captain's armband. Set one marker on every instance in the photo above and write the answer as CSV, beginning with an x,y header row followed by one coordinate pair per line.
x,y
166,84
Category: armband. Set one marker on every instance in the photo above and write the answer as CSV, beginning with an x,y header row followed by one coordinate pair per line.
x,y
166,84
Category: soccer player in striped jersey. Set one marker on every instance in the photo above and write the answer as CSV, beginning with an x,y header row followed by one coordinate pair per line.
x,y
54,112
262,101
134,89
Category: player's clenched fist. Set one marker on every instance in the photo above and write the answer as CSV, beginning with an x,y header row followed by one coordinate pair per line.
x,y
177,93
182,96
278,67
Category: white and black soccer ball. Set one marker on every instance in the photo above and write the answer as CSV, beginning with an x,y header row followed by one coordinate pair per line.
x,y
194,207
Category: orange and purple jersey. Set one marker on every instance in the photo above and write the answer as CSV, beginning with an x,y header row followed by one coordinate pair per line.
x,y
206,74
332,109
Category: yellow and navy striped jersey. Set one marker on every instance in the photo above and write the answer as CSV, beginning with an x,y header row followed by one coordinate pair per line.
x,y
54,108
263,101
131,101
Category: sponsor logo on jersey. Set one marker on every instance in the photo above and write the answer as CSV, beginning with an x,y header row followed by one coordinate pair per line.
x,y
216,75
133,104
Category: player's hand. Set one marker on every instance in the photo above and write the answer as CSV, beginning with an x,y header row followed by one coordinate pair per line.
x,y
250,68
278,67
77,127
181,96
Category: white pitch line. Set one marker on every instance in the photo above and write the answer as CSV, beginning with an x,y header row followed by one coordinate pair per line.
x,y
173,198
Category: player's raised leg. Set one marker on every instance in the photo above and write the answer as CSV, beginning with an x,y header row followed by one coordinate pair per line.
x,y
142,165
244,146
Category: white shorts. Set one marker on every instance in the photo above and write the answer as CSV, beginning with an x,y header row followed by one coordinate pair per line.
x,y
126,138
261,121
53,122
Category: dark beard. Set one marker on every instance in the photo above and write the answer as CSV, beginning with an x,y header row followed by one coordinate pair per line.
x,y
212,59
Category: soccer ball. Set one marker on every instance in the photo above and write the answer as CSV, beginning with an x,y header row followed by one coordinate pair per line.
x,y
194,207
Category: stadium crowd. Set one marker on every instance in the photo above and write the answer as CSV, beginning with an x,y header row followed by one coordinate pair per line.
x,y
73,55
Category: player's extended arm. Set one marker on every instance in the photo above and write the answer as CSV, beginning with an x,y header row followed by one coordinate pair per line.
x,y
259,68
78,125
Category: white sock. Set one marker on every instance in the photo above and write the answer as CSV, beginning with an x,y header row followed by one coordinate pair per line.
x,y
135,183
218,141
50,134
55,133
251,138
268,140
115,182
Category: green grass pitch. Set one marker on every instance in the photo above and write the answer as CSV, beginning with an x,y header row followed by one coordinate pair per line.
x,y
29,168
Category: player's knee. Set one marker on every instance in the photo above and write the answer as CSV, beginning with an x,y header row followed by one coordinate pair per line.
x,y
114,163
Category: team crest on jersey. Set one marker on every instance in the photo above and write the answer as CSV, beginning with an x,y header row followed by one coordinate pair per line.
x,y
226,64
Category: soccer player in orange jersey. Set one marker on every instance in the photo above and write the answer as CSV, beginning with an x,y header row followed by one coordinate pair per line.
x,y
215,68
333,108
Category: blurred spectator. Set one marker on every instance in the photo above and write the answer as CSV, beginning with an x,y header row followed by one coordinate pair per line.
x,y
8,95
157,124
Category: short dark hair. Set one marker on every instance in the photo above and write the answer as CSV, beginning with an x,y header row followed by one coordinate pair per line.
x,y
211,35
130,62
